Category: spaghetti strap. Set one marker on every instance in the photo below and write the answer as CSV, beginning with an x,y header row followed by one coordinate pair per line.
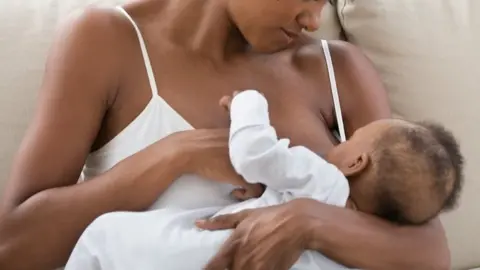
x,y
143,47
333,87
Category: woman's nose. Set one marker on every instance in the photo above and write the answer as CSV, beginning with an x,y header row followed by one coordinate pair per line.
x,y
310,21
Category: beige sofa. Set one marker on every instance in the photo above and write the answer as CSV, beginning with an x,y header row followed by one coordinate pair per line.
x,y
425,50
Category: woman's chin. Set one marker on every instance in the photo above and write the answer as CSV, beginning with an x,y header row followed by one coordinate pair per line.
x,y
269,42
270,47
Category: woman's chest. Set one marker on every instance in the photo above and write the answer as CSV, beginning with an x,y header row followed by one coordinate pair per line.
x,y
298,109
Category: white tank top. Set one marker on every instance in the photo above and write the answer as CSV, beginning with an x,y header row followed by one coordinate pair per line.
x,y
157,120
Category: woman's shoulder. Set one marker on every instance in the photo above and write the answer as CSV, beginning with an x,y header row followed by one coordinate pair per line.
x,y
310,53
360,87
95,40
347,59
106,26
104,33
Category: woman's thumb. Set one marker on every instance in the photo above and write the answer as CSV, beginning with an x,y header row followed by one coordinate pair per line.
x,y
240,194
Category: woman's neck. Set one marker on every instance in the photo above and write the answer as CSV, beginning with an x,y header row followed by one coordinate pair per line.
x,y
203,27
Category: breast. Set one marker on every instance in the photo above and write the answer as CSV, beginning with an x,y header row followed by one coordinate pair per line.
x,y
303,125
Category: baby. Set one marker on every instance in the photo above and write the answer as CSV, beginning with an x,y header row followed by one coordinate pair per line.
x,y
403,172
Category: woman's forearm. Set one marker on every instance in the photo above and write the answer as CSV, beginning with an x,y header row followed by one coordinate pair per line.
x,y
41,232
361,241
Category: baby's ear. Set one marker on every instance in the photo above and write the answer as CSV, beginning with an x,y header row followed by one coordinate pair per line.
x,y
355,165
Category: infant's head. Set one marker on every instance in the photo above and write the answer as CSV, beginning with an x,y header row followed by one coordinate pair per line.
x,y
404,172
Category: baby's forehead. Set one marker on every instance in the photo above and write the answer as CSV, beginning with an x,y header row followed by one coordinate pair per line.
x,y
391,123
393,128
377,129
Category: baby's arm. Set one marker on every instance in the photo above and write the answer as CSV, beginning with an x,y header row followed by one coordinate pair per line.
x,y
260,157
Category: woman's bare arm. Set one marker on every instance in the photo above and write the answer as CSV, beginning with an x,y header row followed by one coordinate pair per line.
x,y
357,239
365,242
277,236
43,212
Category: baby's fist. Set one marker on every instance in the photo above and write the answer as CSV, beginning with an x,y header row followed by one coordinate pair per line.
x,y
226,101
248,191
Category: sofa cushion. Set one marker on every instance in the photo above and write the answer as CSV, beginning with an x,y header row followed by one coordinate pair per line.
x,y
427,54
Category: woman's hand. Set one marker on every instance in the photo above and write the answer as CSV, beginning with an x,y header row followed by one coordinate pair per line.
x,y
207,153
265,238
274,238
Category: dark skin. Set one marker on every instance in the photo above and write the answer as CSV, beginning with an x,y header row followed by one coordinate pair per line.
x,y
95,84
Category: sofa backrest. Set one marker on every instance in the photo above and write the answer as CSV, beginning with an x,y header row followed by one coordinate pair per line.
x,y
27,29
427,53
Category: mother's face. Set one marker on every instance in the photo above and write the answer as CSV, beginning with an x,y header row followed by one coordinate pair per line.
x,y
271,25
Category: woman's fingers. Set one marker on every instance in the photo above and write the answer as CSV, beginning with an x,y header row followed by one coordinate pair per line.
x,y
218,223
286,261
225,257
240,194
250,191
223,222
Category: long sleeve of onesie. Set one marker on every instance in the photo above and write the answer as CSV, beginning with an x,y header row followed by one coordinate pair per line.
x,y
260,156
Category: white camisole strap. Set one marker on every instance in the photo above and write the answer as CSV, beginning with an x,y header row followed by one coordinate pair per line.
x,y
333,87
143,47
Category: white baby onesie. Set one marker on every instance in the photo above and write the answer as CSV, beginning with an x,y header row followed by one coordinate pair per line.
x,y
167,239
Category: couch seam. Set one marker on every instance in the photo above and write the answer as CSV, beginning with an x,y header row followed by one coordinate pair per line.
x,y
341,16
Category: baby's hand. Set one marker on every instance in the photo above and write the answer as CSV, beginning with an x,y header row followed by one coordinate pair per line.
x,y
226,101
249,191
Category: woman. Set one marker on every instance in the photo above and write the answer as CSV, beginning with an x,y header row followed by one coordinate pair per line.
x,y
99,107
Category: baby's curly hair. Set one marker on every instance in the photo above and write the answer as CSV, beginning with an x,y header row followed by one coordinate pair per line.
x,y
420,172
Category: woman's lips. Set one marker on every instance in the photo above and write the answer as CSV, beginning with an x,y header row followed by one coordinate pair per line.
x,y
291,34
